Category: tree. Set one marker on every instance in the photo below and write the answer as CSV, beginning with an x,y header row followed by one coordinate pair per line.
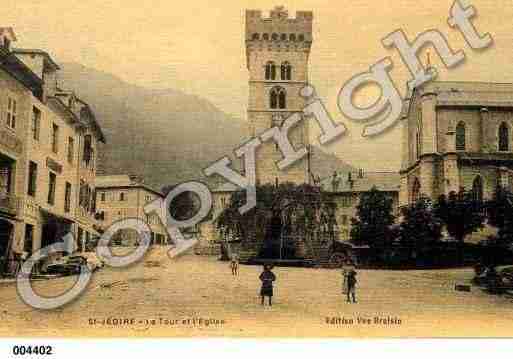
x,y
500,214
286,210
374,218
462,213
419,228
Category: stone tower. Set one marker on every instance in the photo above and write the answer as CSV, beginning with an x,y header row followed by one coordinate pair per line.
x,y
277,52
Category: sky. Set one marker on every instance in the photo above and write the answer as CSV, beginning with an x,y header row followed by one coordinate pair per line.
x,y
198,46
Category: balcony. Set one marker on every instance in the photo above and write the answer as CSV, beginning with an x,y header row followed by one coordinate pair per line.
x,y
9,204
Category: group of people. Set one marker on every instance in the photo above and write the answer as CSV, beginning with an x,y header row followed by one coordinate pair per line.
x,y
267,277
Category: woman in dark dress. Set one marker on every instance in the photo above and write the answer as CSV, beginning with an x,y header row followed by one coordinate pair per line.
x,y
267,277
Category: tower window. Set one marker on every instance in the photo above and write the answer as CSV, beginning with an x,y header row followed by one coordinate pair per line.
x,y
286,71
460,137
503,137
278,98
301,37
256,36
270,71
274,36
265,36
283,37
292,37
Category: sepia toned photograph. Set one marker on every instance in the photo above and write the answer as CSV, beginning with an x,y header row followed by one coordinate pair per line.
x,y
254,169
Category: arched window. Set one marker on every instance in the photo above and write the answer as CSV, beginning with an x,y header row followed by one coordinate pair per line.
x,y
265,36
282,99
274,36
292,37
278,98
415,191
270,71
283,37
503,137
477,189
418,140
286,71
256,36
460,137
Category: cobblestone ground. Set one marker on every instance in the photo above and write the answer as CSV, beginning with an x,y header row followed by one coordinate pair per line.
x,y
163,297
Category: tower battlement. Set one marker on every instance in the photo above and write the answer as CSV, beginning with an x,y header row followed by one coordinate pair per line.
x,y
279,26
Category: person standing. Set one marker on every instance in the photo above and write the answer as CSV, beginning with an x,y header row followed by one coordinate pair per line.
x,y
351,285
267,278
234,265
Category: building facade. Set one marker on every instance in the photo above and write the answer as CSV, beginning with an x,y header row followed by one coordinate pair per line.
x,y
457,135
55,137
277,53
346,190
123,196
17,87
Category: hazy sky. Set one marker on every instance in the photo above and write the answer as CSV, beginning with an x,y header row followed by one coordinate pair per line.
x,y
198,47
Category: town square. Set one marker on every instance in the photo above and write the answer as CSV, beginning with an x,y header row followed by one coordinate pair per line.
x,y
149,300
266,174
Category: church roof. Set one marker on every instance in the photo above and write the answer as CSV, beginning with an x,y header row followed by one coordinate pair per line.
x,y
464,93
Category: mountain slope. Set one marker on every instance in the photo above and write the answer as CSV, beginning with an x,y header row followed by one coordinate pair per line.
x,y
166,136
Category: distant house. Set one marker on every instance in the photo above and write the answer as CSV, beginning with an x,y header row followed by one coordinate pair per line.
x,y
346,190
125,196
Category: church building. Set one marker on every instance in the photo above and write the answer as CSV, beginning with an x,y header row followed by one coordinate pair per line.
x,y
457,135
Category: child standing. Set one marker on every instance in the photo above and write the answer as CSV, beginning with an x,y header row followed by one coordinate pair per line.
x,y
351,285
267,278
234,265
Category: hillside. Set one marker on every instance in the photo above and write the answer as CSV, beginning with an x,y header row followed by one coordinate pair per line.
x,y
166,136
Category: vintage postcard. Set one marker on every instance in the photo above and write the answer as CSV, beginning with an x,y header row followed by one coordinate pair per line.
x,y
255,169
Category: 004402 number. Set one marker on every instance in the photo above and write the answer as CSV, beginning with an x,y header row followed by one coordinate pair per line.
x,y
32,350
